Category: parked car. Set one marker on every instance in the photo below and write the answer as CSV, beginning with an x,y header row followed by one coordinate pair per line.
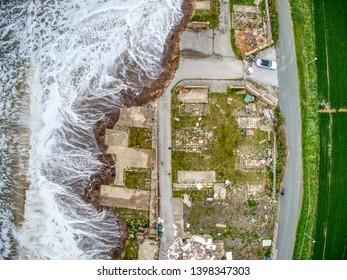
x,y
160,230
269,64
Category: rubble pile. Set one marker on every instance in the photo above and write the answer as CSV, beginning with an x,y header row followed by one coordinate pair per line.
x,y
194,248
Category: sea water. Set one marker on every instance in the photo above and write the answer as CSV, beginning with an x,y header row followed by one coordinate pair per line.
x,y
64,66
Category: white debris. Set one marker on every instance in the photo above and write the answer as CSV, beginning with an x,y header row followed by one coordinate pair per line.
x,y
195,248
227,182
199,239
199,186
267,243
175,233
188,225
229,256
186,200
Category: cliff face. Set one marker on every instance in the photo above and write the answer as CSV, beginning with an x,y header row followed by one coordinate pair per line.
x,y
106,175
170,61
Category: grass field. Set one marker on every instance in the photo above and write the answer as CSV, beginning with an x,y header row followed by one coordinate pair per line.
x,y
137,179
140,137
331,39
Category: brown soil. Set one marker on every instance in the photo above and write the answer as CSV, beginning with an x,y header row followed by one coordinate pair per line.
x,y
107,174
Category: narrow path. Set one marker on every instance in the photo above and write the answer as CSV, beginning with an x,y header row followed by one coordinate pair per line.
x,y
290,204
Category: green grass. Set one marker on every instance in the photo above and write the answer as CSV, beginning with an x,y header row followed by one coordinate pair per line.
x,y
212,15
220,156
195,195
134,219
331,38
136,179
321,215
242,2
302,15
282,150
140,137
131,251
274,19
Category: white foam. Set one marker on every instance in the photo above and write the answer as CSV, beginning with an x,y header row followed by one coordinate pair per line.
x,y
83,54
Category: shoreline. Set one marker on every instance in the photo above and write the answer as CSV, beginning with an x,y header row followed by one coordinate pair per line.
x,y
106,175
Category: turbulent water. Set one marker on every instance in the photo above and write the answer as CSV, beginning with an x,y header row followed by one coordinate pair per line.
x,y
65,65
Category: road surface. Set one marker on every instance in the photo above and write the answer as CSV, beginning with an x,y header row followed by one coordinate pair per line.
x,y
290,204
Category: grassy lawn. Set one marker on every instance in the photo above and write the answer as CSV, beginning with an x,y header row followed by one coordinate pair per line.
x,y
212,15
303,22
221,154
136,179
140,137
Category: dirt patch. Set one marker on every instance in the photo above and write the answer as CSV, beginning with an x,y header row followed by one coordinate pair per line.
x,y
193,95
250,28
148,249
124,197
135,116
203,5
116,138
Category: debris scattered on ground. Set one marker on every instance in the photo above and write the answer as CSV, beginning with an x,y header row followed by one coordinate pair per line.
x,y
186,200
267,243
195,248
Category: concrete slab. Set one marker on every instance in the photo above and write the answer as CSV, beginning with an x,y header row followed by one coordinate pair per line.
x,y
212,68
196,95
148,249
262,75
245,9
220,191
130,157
199,42
124,197
202,5
222,40
135,116
196,176
119,180
116,138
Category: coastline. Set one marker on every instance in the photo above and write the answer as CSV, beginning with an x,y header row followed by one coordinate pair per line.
x,y
106,175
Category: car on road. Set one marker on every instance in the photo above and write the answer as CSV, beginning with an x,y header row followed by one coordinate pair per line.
x,y
264,63
160,230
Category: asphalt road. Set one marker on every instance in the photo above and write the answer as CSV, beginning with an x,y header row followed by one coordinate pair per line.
x,y
290,203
